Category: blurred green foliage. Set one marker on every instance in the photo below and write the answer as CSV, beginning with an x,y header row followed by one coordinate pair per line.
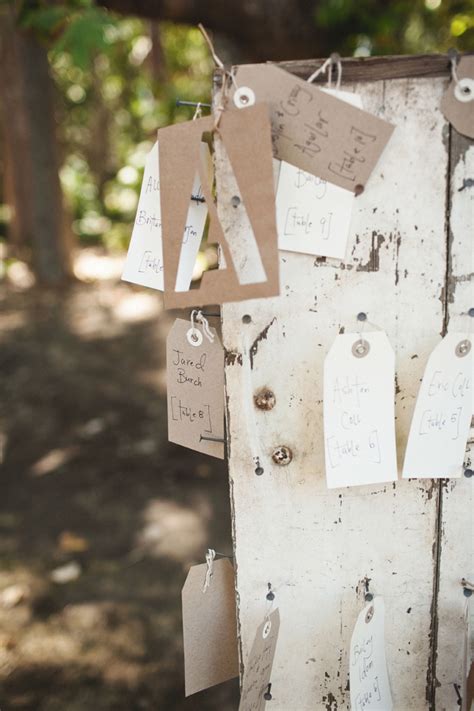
x,y
118,80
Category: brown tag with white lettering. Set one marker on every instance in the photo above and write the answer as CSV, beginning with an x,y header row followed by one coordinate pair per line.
x,y
195,381
209,626
457,103
258,668
314,130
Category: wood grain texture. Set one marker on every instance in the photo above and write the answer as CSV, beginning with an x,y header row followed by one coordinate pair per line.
x,y
315,545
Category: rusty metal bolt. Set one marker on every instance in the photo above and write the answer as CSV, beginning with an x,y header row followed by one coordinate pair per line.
x,y
265,399
282,455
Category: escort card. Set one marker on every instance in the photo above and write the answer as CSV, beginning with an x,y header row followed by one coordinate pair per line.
x,y
444,407
144,262
315,131
359,410
369,683
314,215
195,381
209,627
258,668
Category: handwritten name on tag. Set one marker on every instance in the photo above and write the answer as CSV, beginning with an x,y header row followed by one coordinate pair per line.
x,y
195,382
359,410
369,683
314,215
258,668
441,420
315,131
144,263
209,627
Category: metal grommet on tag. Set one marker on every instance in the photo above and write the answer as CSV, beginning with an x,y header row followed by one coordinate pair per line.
x,y
369,614
360,348
463,348
266,629
194,337
464,90
244,96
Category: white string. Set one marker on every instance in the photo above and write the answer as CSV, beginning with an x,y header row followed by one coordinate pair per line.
x,y
454,71
327,65
198,112
210,555
205,326
193,325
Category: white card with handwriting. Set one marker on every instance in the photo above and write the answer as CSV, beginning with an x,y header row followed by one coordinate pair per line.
x,y
314,215
369,682
359,410
144,263
441,420
258,667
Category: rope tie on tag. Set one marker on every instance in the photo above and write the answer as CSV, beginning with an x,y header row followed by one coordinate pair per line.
x,y
210,556
326,66
453,60
200,318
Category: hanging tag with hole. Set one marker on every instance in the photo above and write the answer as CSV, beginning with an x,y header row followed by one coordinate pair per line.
x,y
195,383
258,667
369,682
314,215
315,131
248,265
457,103
442,416
209,626
144,262
359,410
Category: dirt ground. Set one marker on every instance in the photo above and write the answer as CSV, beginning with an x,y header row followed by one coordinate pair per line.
x,y
99,516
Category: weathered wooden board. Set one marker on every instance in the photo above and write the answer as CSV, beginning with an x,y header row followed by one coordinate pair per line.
x,y
315,545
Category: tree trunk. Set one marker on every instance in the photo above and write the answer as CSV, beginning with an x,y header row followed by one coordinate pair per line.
x,y
39,228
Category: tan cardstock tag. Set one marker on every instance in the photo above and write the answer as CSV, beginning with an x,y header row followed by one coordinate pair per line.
x,y
457,103
195,382
258,668
246,137
209,627
315,131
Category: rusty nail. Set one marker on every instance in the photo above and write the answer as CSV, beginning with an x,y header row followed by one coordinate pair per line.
x,y
265,399
358,190
282,455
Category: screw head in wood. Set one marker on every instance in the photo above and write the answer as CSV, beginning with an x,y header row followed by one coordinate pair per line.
x,y
282,455
265,399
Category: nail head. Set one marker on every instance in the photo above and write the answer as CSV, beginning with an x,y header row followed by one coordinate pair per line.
x,y
246,318
282,455
265,399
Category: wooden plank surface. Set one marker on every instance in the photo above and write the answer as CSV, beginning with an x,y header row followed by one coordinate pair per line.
x,y
315,545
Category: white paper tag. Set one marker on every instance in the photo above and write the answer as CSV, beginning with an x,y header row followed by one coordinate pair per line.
x,y
369,683
313,215
144,263
359,410
441,420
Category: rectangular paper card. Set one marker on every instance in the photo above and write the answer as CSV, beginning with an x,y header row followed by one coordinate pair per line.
x,y
442,417
313,215
369,682
359,410
144,263
315,131
195,382
245,146
258,668
209,627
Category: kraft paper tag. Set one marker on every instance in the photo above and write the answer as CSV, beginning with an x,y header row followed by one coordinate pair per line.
x,y
369,683
258,669
359,410
313,215
441,420
246,140
144,262
195,382
209,627
457,103
315,131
